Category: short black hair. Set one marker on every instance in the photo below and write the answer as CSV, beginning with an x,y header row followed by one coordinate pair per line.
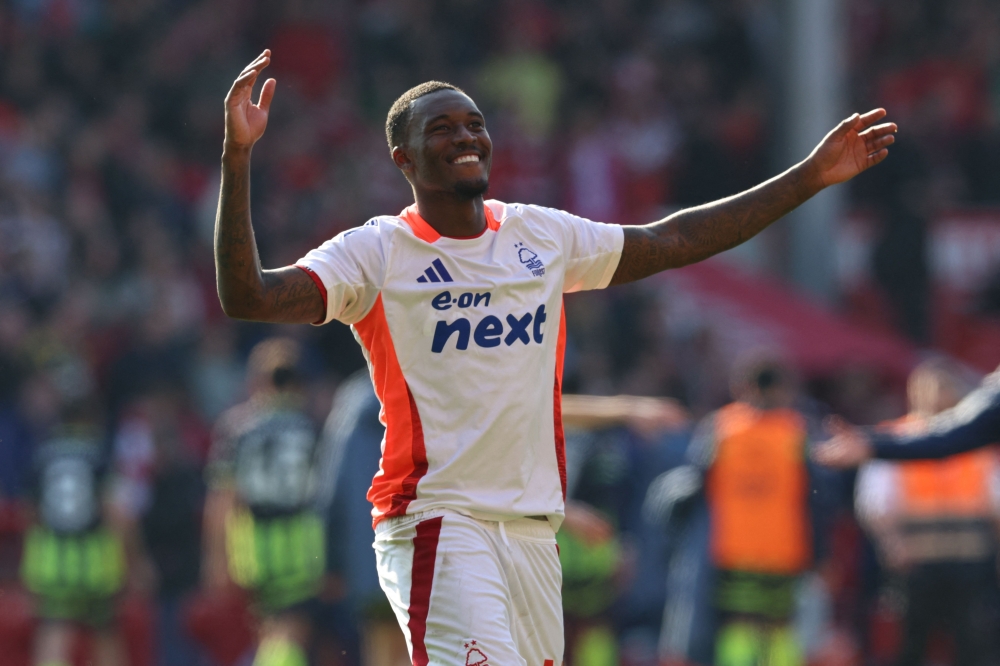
x,y
399,112
760,371
276,360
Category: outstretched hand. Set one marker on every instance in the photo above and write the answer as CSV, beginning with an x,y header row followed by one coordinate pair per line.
x,y
246,121
846,449
856,144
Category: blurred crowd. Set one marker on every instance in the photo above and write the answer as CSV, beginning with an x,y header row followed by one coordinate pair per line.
x,y
111,125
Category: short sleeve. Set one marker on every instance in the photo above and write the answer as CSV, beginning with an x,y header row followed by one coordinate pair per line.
x,y
591,251
350,268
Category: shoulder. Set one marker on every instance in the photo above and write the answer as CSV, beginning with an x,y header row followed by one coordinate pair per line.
x,y
377,230
546,225
365,246
234,421
532,213
708,424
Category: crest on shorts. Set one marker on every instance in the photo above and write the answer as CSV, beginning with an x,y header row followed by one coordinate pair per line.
x,y
474,656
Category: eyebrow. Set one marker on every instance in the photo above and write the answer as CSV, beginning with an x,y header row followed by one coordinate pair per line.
x,y
445,116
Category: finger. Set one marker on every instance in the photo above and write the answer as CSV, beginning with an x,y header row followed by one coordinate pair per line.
x,y
257,65
879,130
871,117
266,94
877,157
874,145
845,126
266,53
247,76
253,65
827,453
242,86
822,453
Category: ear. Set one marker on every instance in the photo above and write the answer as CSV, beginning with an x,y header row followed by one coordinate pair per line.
x,y
402,160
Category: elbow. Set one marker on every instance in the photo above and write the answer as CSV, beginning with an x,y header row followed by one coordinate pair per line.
x,y
233,312
237,308
240,314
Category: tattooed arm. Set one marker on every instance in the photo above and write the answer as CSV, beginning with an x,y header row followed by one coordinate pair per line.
x,y
246,291
698,233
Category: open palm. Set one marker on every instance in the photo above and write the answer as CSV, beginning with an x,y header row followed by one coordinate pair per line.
x,y
854,145
246,121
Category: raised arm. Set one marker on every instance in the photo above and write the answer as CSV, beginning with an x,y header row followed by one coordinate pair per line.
x,y
971,424
692,235
246,290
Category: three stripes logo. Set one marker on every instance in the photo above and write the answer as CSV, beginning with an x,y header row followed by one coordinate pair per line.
x,y
440,275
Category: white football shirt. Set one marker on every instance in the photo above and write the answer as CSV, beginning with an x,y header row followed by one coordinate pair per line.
x,y
464,340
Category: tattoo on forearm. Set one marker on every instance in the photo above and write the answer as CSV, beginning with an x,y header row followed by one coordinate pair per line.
x,y
236,263
292,296
698,233
245,290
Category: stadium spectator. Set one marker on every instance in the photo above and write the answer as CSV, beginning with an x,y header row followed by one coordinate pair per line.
x,y
261,529
935,525
598,538
749,461
74,559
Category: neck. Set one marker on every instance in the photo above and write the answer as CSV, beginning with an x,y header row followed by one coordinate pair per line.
x,y
451,215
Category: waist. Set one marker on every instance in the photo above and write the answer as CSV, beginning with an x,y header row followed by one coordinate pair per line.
x,y
527,526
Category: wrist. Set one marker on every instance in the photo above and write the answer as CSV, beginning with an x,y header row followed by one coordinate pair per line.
x,y
810,177
236,151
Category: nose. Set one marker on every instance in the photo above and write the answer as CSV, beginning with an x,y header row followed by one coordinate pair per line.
x,y
463,135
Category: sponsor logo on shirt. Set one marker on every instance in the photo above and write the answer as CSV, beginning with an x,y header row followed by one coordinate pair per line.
x,y
444,300
489,331
441,273
530,260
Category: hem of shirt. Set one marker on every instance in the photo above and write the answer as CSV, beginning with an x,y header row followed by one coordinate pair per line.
x,y
322,292
555,519
612,268
327,317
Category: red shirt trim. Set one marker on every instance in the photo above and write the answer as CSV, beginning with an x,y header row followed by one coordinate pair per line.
x,y
319,285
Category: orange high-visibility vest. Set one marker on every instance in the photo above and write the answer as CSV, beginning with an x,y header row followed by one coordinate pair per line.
x,y
955,487
757,491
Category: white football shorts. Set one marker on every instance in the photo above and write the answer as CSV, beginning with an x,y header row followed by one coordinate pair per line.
x,y
473,592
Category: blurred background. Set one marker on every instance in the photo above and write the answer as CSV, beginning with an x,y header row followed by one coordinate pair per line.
x,y
111,123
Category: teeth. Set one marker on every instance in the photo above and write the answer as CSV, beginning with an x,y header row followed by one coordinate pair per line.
x,y
467,158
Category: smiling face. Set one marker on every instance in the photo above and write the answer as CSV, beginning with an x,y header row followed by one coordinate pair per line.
x,y
447,148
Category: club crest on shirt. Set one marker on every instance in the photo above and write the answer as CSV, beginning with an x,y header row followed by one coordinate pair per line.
x,y
530,260
474,656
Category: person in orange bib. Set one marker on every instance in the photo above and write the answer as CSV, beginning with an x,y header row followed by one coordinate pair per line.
x,y
751,459
934,524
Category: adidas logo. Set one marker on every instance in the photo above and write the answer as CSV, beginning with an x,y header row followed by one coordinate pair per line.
x,y
441,275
